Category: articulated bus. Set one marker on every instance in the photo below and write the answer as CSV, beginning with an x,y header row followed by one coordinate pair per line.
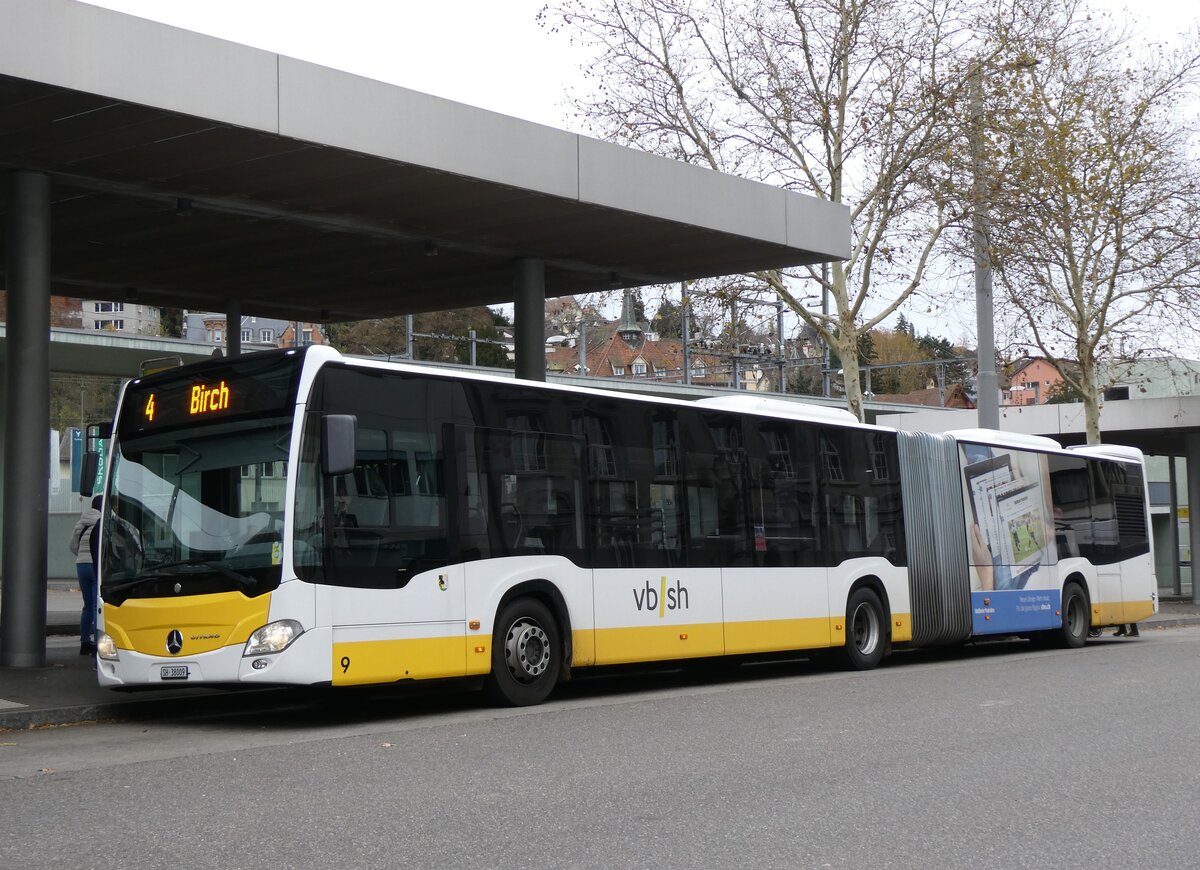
x,y
297,517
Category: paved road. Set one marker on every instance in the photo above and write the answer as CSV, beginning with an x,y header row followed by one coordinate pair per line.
x,y
997,757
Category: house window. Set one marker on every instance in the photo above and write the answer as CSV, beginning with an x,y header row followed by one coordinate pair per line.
x,y
109,307
305,337
698,370
216,335
1113,394
639,367
247,335
110,325
266,335
619,371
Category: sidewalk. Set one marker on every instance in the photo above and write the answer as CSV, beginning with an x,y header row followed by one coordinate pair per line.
x,y
65,691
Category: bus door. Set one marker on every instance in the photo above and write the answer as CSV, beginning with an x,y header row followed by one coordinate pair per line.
x,y
779,600
520,517
1102,546
657,592
376,542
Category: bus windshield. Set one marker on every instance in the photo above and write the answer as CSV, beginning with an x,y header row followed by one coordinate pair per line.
x,y
195,502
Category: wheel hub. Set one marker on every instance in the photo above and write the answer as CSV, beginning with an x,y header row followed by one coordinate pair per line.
x,y
865,629
526,650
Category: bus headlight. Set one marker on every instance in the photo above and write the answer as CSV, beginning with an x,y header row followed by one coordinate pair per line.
x,y
273,638
106,648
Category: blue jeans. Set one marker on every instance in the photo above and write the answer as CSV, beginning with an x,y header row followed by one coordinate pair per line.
x,y
86,572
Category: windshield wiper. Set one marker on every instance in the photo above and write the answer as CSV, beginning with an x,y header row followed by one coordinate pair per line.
x,y
158,572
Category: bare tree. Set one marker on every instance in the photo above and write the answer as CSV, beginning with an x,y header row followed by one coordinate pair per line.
x,y
854,101
1096,199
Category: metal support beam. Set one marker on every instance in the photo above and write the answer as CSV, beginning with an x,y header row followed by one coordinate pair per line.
x,y
26,442
529,318
779,340
986,382
1192,447
582,347
233,327
1171,545
825,344
734,335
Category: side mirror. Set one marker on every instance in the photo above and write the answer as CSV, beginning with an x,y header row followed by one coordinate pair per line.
x,y
337,443
87,474
95,432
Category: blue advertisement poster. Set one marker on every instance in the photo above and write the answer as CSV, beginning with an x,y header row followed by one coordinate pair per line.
x,y
1011,533
1015,611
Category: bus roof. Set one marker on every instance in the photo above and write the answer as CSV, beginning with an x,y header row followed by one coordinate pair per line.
x,y
1005,439
741,403
1111,451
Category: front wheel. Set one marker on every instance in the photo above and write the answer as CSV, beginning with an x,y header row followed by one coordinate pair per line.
x,y
526,654
866,631
1075,618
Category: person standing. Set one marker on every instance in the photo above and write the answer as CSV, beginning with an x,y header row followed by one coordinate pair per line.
x,y
85,570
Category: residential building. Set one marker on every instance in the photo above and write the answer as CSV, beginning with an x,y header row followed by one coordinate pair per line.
x,y
629,351
1156,378
124,317
1030,382
256,333
953,396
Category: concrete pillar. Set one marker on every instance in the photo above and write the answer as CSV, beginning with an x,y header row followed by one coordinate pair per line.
x,y
27,440
529,319
1192,453
233,327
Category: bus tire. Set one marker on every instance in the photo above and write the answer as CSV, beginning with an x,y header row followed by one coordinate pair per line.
x,y
526,654
866,631
1076,620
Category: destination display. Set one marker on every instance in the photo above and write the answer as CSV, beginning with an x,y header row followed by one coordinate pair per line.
x,y
246,386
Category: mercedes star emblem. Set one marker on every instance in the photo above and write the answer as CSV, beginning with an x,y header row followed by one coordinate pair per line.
x,y
174,642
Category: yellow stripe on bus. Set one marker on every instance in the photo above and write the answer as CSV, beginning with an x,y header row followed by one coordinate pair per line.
x,y
1120,612
205,622
386,661
774,635
656,643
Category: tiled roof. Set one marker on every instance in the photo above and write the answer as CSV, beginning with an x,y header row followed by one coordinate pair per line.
x,y
664,355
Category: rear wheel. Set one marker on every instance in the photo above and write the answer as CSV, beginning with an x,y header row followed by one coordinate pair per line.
x,y
866,631
1075,618
526,654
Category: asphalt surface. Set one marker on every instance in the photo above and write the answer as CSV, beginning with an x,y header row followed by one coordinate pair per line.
x,y
65,691
986,757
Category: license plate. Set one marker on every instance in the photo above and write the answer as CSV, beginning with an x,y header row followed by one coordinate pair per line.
x,y
173,672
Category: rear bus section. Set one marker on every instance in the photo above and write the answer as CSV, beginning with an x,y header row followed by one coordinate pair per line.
x,y
1014,535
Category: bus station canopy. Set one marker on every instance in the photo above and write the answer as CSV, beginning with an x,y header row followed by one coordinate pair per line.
x,y
188,171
